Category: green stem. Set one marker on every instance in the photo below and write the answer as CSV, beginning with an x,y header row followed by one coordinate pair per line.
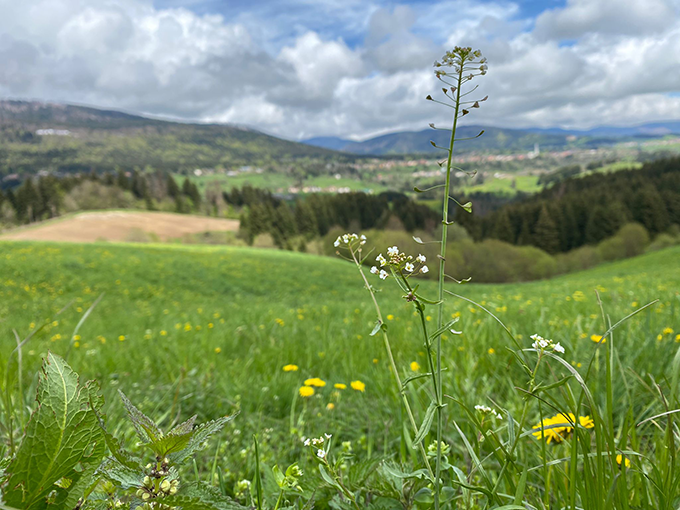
x,y
393,365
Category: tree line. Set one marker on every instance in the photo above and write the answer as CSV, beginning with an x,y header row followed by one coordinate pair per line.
x,y
586,210
314,215
48,196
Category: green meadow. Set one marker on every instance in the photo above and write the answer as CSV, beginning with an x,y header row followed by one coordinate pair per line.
x,y
208,330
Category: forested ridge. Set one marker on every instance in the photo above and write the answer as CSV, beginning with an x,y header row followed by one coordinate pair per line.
x,y
586,210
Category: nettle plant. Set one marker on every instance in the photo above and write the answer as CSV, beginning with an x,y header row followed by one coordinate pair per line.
x,y
68,460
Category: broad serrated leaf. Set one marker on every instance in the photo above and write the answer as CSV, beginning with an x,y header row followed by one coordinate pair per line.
x,y
63,441
198,438
200,496
427,423
168,445
146,428
117,450
125,476
184,428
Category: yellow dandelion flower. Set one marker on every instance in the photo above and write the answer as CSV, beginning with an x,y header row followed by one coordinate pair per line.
x,y
585,421
218,350
315,381
306,391
428,318
101,339
677,337
280,322
597,339
121,338
559,427
164,333
358,385
76,337
390,317
667,331
659,337
76,344
340,386
491,350
415,366
620,458
187,327
290,368
375,361
330,406
210,325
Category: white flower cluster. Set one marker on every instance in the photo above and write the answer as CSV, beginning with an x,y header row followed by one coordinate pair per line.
x,y
349,238
315,441
397,259
487,410
541,344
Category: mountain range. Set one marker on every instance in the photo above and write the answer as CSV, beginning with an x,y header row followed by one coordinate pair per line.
x,y
497,139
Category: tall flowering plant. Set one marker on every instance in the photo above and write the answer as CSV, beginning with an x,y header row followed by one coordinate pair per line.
x,y
455,70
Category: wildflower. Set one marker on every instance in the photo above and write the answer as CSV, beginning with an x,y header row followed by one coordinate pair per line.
x,y
337,242
306,391
415,366
390,317
358,385
164,333
315,381
218,350
374,270
409,267
620,458
491,350
424,269
121,338
558,348
383,274
381,259
667,331
340,386
559,427
421,258
375,361
392,251
330,406
290,368
320,453
597,339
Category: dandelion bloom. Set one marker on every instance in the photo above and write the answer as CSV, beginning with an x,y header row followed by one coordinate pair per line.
x,y
330,406
620,458
597,339
667,331
415,366
559,427
491,350
358,385
390,317
218,350
306,391
290,368
340,386
315,381
121,338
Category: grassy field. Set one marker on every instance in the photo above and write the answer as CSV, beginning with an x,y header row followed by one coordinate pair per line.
x,y
208,330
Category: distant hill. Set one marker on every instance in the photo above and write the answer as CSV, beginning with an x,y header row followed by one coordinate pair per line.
x,y
496,139
38,136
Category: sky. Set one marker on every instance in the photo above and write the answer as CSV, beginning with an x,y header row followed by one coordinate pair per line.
x,y
349,68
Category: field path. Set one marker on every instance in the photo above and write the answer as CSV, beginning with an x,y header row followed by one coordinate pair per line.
x,y
119,226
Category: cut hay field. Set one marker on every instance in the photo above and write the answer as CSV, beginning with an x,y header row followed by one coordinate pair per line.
x,y
207,330
124,226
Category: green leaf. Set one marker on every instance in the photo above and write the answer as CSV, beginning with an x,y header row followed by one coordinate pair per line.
x,y
201,496
278,476
125,476
146,428
184,428
376,328
199,437
328,478
467,206
446,327
170,444
424,496
427,423
63,441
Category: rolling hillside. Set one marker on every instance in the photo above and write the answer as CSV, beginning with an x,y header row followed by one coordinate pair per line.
x,y
43,136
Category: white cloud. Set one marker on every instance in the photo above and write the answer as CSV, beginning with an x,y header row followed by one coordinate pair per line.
x,y
345,67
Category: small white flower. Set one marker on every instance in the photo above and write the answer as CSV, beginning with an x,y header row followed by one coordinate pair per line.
x,y
328,436
393,251
483,408
307,442
558,348
383,274
374,270
320,453
409,267
421,258
381,259
337,242
363,239
424,269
